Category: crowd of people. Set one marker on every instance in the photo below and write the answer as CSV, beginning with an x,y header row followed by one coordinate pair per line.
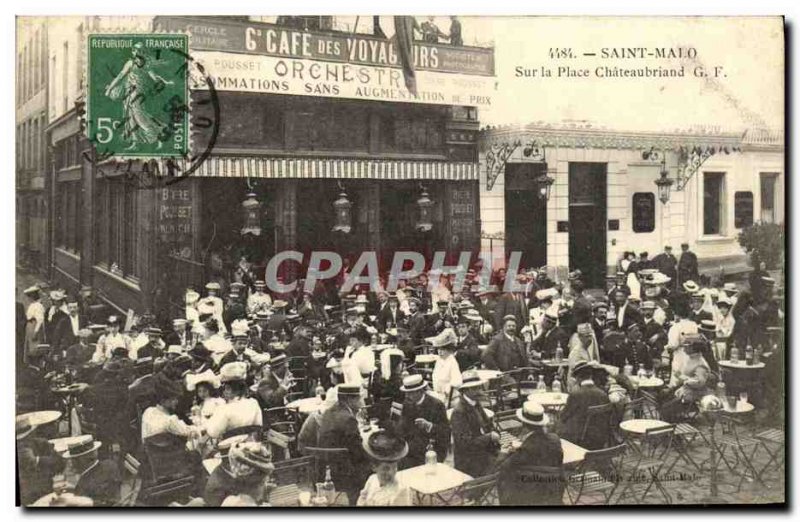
x,y
216,378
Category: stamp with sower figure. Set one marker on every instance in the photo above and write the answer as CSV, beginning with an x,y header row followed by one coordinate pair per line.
x,y
138,95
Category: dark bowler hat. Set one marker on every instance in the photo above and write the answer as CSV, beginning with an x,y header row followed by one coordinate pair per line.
x,y
384,446
200,353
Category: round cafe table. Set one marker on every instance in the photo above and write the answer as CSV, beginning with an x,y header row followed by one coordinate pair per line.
x,y
647,382
487,375
637,427
306,405
548,400
739,376
426,358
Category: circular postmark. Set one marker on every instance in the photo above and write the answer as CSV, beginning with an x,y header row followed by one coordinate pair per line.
x,y
153,114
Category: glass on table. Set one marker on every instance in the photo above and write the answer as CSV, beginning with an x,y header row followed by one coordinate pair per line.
x,y
743,397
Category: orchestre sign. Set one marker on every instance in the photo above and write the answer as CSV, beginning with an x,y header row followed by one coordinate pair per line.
x,y
268,74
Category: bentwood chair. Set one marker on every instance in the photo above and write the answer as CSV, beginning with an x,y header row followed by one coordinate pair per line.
x,y
597,475
481,491
287,480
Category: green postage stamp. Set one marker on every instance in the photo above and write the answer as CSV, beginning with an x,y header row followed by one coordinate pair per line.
x,y
138,95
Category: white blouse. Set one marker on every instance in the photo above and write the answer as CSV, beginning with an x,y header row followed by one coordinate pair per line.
x,y
446,374
238,413
392,494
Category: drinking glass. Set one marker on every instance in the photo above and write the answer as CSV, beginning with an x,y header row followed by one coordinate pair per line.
x,y
743,397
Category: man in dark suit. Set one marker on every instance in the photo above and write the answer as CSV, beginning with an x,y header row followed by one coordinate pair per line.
x,y
533,474
511,303
667,264
424,419
475,442
390,316
627,314
417,324
486,303
179,335
55,313
66,331
338,428
506,351
573,417
552,336
467,352
687,265
98,479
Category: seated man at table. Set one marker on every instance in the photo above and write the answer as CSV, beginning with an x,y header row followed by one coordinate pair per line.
x,y
37,461
339,429
506,351
573,419
275,383
533,474
309,431
97,479
424,419
468,354
385,450
550,337
475,441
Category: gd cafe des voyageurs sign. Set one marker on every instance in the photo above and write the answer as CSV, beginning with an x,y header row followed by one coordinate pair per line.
x,y
267,58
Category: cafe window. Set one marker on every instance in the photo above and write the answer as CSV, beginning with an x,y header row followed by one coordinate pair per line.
x,y
411,133
644,212
251,122
327,127
116,227
67,230
713,191
768,182
742,209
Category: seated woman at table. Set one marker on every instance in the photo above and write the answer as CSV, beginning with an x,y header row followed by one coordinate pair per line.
x,y
239,412
383,488
245,472
532,475
690,381
446,372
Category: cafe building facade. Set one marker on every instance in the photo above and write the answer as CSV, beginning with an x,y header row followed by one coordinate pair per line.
x,y
577,196
317,145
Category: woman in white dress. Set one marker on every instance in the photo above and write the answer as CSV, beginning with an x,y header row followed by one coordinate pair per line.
x,y
238,411
446,372
383,487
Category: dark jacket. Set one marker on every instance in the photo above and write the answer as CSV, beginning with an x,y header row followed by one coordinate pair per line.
x,y
486,310
511,304
666,264
549,341
431,409
700,316
574,417
63,336
629,317
504,354
78,354
467,352
51,325
101,483
417,326
386,319
521,481
338,428
687,267
474,452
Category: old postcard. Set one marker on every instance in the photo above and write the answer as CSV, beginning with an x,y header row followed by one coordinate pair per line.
x,y
399,261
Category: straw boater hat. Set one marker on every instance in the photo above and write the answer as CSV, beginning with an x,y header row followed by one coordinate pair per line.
x,y
350,390
508,318
260,284
691,287
730,287
489,290
175,349
532,414
472,315
413,383
707,325
648,305
471,379
192,380
233,371
446,340
279,303
659,279
384,446
31,290
81,448
191,297
213,285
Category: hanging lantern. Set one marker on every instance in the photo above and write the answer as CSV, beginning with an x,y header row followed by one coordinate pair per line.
x,y
425,221
664,184
544,182
252,215
342,208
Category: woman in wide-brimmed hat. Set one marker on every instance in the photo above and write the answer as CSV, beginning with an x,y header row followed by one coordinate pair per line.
x,y
382,488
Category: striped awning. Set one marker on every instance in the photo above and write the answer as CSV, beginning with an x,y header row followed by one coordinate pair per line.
x,y
328,168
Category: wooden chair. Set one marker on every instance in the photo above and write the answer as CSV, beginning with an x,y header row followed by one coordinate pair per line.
x,y
289,476
597,416
481,491
396,412
506,421
177,490
325,457
130,469
648,460
254,431
597,474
